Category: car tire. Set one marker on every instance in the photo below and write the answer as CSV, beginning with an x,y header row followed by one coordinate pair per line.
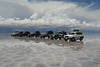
x,y
43,36
51,38
48,37
81,38
73,39
59,38
56,38
66,39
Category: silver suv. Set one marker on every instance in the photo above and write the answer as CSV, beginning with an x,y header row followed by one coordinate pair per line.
x,y
73,36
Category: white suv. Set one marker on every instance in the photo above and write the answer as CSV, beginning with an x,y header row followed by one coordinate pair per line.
x,y
73,36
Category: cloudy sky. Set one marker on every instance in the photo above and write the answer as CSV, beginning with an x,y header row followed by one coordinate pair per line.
x,y
50,13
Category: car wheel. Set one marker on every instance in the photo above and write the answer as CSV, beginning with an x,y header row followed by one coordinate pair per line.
x,y
81,38
28,35
56,38
73,39
43,36
66,39
60,38
51,38
48,36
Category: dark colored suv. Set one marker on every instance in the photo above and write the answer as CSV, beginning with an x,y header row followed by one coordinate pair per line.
x,y
47,34
58,35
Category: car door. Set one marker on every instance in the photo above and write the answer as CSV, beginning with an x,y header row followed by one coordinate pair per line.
x,y
77,36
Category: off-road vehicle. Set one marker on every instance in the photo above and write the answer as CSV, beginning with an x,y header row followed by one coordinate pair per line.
x,y
48,34
58,35
36,34
73,36
17,33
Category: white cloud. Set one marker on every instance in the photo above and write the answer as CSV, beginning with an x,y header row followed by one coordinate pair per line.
x,y
51,13
13,10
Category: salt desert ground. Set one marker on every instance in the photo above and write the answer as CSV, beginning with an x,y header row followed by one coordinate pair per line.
x,y
36,52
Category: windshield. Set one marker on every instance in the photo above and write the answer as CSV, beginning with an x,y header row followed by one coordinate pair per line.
x,y
71,33
79,33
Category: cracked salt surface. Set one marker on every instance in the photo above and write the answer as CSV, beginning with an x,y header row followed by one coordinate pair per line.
x,y
35,52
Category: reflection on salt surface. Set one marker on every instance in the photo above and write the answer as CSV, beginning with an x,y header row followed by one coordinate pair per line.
x,y
74,45
36,52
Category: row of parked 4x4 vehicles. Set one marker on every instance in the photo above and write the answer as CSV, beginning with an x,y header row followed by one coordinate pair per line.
x,y
76,34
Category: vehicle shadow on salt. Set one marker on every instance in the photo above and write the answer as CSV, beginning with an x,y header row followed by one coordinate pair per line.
x,y
77,45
